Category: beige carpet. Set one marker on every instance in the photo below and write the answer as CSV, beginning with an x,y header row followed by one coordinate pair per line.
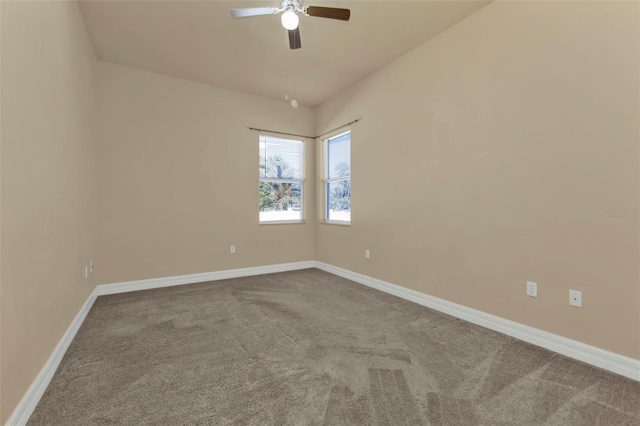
x,y
310,348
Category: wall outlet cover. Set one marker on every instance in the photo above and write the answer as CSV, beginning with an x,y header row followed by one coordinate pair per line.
x,y
575,298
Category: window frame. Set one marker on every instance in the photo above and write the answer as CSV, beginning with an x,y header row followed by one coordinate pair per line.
x,y
300,181
328,181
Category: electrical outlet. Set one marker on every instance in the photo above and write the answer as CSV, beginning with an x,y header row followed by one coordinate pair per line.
x,y
91,266
366,254
232,249
575,298
532,289
86,272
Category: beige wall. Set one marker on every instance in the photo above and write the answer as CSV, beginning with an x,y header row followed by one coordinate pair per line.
x,y
48,184
1,412
488,156
485,158
178,178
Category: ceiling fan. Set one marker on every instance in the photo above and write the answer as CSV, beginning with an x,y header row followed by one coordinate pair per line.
x,y
290,18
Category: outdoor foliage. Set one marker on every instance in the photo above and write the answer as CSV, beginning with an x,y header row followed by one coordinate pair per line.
x,y
278,195
340,193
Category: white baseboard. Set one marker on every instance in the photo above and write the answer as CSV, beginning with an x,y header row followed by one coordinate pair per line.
x,y
610,361
28,403
30,400
128,286
601,358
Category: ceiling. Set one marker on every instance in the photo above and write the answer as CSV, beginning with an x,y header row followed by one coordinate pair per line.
x,y
201,42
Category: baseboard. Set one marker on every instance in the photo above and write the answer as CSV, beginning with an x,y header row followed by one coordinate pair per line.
x,y
128,286
30,400
591,355
597,357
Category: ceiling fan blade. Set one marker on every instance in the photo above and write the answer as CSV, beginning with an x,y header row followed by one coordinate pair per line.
x,y
294,39
329,12
254,11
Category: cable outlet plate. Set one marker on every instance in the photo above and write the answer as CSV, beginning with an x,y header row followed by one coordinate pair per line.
x,y
575,298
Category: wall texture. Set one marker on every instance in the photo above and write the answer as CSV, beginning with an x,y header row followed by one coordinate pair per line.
x,y
48,184
490,155
178,178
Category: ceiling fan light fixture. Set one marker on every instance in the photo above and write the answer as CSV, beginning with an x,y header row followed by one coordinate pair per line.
x,y
290,20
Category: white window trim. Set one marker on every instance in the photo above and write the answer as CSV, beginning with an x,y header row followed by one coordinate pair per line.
x,y
302,181
327,181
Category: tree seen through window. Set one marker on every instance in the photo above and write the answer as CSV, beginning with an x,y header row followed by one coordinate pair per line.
x,y
280,180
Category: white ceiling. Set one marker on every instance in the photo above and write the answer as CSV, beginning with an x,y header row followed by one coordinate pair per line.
x,y
201,42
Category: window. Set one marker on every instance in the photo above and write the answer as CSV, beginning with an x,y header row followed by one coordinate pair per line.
x,y
281,179
338,178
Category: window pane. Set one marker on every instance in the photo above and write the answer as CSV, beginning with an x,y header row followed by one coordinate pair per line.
x,y
280,158
339,156
280,201
339,200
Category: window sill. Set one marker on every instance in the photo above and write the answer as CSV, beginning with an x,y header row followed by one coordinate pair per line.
x,y
335,222
283,222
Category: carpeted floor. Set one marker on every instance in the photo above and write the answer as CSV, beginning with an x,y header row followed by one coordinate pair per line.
x,y
310,348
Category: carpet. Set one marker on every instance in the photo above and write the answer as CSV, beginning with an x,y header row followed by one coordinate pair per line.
x,y
310,348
